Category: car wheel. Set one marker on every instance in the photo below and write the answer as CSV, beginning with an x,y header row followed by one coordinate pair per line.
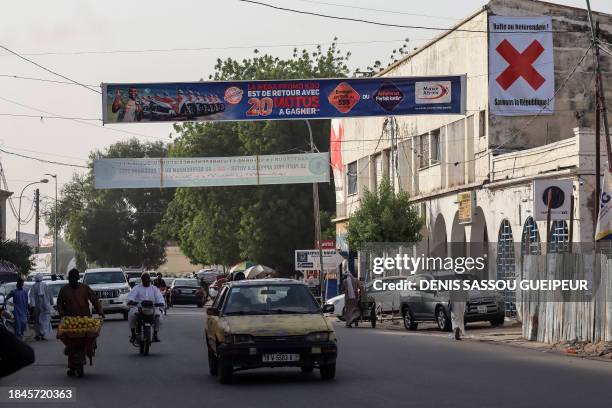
x,y
408,318
498,322
373,317
200,305
125,315
225,370
328,371
442,319
307,369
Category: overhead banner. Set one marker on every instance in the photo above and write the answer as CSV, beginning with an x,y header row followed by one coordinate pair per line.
x,y
521,66
335,148
287,99
211,171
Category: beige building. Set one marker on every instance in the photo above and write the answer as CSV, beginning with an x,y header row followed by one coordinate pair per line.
x,y
494,158
4,195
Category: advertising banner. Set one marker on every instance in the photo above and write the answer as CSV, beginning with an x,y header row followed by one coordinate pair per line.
x,y
335,148
211,171
521,66
604,219
286,99
308,259
465,203
27,238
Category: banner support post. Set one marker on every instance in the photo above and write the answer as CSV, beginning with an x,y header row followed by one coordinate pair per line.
x,y
317,216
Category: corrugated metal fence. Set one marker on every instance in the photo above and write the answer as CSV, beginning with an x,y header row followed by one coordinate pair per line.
x,y
570,315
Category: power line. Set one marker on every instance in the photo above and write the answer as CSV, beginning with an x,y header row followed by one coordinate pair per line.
x,y
21,115
43,160
38,79
49,70
79,120
359,20
377,10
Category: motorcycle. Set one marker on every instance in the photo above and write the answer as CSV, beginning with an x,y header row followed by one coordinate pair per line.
x,y
184,107
161,106
144,326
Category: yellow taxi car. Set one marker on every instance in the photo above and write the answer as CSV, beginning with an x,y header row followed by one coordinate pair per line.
x,y
269,323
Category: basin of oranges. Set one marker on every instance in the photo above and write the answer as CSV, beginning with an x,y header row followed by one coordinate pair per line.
x,y
79,327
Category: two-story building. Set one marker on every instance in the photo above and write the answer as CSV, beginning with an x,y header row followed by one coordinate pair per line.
x,y
495,159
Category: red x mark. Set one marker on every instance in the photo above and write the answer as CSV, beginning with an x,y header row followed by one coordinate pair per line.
x,y
520,64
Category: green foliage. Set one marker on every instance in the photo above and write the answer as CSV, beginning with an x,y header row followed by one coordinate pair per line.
x,y
114,227
18,254
265,224
383,216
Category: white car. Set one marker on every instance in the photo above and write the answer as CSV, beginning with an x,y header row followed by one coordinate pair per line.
x,y
338,302
111,287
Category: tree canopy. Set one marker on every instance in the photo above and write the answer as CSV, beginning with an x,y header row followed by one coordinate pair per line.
x,y
114,227
383,216
17,253
265,224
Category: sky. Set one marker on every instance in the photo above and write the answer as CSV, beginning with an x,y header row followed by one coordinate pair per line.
x,y
80,39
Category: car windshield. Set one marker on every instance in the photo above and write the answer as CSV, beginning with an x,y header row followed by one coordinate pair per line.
x,y
186,282
55,288
93,278
272,299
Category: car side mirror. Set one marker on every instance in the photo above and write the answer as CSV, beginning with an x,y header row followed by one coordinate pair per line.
x,y
2,299
212,311
327,308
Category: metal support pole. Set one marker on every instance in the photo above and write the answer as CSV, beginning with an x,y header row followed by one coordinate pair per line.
x,y
602,96
55,233
37,217
317,216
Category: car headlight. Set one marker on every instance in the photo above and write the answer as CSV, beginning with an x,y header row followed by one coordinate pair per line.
x,y
318,336
238,338
124,291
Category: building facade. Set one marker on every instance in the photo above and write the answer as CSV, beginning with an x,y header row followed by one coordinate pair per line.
x,y
495,159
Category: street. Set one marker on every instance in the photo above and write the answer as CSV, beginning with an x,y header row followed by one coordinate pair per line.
x,y
375,368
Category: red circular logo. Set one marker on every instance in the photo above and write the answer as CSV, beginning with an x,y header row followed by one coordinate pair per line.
x,y
233,95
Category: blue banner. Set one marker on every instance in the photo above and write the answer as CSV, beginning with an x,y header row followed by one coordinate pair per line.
x,y
289,99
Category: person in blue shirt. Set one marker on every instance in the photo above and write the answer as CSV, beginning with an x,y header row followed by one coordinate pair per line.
x,y
20,310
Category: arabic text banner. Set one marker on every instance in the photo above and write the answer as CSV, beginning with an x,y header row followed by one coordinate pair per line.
x,y
289,99
211,171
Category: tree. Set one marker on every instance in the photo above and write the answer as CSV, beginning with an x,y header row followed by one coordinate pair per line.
x,y
17,253
383,216
264,224
114,227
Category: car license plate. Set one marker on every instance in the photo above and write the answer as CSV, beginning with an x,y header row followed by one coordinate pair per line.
x,y
482,309
280,358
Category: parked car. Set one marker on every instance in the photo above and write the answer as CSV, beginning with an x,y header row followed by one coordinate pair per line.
x,y
269,323
338,303
433,306
187,292
111,286
54,288
387,301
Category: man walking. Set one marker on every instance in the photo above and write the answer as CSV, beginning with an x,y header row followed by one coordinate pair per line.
x,y
20,308
42,302
350,288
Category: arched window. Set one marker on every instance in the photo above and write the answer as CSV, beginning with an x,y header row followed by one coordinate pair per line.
x,y
530,242
559,237
506,264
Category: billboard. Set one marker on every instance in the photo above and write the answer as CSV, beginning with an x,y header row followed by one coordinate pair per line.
x,y
282,99
211,171
308,259
27,238
521,66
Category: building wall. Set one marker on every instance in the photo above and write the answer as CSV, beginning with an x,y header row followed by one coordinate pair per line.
x,y
4,195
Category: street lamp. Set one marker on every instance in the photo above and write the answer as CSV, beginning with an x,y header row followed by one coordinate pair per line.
x,y
43,181
54,225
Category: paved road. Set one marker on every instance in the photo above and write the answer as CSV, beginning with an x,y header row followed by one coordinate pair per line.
x,y
376,368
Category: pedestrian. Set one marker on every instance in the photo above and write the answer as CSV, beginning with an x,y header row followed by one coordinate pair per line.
x,y
14,353
458,300
20,308
350,289
42,302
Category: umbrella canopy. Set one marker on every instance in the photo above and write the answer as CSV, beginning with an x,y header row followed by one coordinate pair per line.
x,y
258,271
241,267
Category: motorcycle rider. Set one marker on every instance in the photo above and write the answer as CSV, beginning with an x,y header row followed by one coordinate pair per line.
x,y
144,291
160,284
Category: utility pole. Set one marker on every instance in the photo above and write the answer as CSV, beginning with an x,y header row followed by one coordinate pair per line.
x,y
37,217
317,216
601,97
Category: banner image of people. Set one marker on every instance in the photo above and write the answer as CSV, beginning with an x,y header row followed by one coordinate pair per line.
x,y
290,99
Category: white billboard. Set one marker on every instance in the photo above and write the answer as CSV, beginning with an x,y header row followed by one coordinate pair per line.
x,y
521,66
308,259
